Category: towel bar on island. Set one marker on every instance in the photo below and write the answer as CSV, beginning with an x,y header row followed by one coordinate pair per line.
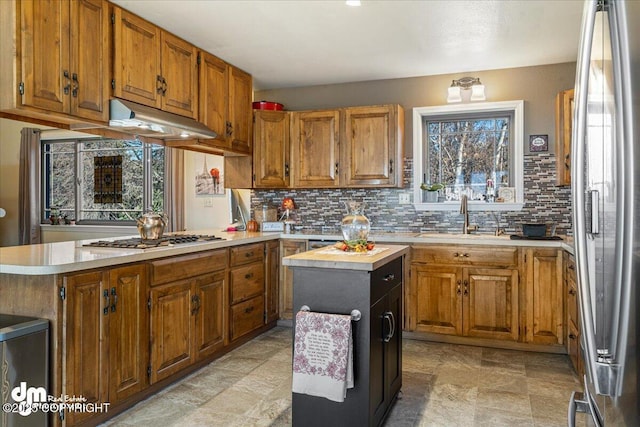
x,y
355,314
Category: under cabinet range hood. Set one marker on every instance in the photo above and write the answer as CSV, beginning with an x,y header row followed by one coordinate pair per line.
x,y
129,117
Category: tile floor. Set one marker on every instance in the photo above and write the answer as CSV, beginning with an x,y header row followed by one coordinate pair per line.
x,y
443,385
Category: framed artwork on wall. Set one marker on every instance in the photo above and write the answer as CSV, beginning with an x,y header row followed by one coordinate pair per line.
x,y
538,143
209,181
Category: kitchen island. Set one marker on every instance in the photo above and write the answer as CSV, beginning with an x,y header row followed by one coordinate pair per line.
x,y
332,281
125,323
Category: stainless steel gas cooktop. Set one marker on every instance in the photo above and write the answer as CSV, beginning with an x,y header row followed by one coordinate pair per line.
x,y
138,243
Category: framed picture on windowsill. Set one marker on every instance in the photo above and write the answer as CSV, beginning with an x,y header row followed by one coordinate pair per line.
x,y
538,143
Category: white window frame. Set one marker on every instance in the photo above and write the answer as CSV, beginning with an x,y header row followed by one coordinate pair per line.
x,y
517,147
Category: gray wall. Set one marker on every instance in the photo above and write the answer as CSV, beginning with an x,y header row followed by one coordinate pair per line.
x,y
537,86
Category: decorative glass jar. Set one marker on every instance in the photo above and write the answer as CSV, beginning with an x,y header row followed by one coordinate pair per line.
x,y
355,226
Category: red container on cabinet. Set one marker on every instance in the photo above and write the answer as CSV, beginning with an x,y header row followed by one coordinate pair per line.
x,y
267,105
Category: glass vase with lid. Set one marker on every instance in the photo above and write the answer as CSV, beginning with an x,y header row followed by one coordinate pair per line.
x,y
355,225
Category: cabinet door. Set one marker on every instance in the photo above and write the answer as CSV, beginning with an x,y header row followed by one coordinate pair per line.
x,y
136,67
564,126
370,146
128,332
90,53
240,112
289,247
171,328
214,95
378,331
393,348
210,319
490,303
272,277
544,296
315,148
271,149
87,316
179,76
438,303
45,54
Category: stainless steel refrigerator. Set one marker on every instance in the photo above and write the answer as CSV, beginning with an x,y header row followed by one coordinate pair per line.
x,y
605,189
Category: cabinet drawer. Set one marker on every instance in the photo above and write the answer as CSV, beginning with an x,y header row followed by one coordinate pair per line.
x,y
385,278
175,268
247,316
465,255
247,253
247,281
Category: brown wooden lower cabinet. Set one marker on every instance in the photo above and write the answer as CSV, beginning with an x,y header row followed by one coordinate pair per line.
x,y
543,296
107,335
572,316
499,293
288,247
247,283
473,302
272,281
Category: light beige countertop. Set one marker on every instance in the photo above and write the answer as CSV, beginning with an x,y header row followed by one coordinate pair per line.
x,y
331,257
65,257
440,238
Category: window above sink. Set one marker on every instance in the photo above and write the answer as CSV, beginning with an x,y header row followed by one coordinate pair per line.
x,y
473,149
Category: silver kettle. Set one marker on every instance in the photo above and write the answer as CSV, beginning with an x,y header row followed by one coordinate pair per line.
x,y
151,225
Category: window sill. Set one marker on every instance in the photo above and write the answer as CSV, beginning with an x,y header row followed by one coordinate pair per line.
x,y
473,206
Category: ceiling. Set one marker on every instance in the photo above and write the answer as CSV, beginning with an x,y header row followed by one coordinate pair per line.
x,y
314,42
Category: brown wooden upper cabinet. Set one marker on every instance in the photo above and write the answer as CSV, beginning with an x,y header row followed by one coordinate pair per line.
x,y
153,67
271,162
372,146
61,61
315,149
564,118
225,97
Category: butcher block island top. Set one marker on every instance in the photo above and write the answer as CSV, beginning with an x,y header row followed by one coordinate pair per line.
x,y
331,257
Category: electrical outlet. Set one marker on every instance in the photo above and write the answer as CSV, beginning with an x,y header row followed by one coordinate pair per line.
x,y
208,202
404,198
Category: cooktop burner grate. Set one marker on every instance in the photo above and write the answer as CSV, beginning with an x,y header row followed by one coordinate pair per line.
x,y
138,243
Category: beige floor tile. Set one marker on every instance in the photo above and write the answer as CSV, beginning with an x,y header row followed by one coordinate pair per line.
x,y
443,385
504,400
486,417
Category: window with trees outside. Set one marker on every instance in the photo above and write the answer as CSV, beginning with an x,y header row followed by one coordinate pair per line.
x,y
101,181
469,149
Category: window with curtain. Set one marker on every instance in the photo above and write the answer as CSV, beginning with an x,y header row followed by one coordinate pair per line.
x,y
101,181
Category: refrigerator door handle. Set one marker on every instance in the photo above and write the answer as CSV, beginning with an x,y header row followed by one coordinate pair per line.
x,y
593,211
577,403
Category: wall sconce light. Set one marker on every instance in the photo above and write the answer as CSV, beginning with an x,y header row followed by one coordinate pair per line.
x,y
473,83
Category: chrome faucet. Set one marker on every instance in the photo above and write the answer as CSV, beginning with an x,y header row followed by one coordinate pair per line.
x,y
464,209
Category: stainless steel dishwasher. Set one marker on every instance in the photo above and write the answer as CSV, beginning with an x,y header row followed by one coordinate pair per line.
x,y
24,370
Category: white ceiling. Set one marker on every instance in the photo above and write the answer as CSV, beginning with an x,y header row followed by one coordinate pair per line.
x,y
312,42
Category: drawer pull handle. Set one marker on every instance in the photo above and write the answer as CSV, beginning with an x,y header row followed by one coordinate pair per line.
x,y
466,287
572,336
459,289
248,275
248,254
465,255
249,309
115,299
107,301
572,291
571,267
456,255
389,277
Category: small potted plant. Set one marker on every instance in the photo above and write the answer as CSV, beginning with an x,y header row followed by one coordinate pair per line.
x,y
430,192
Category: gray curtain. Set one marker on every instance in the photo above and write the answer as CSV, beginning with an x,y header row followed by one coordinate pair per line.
x,y
174,188
29,187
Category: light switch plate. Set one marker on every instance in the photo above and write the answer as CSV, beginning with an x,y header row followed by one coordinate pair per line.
x,y
404,198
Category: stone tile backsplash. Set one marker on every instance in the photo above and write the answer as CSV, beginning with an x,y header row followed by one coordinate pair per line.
x,y
323,209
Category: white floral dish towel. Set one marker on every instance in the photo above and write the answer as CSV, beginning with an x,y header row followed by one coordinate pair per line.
x,y
323,355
